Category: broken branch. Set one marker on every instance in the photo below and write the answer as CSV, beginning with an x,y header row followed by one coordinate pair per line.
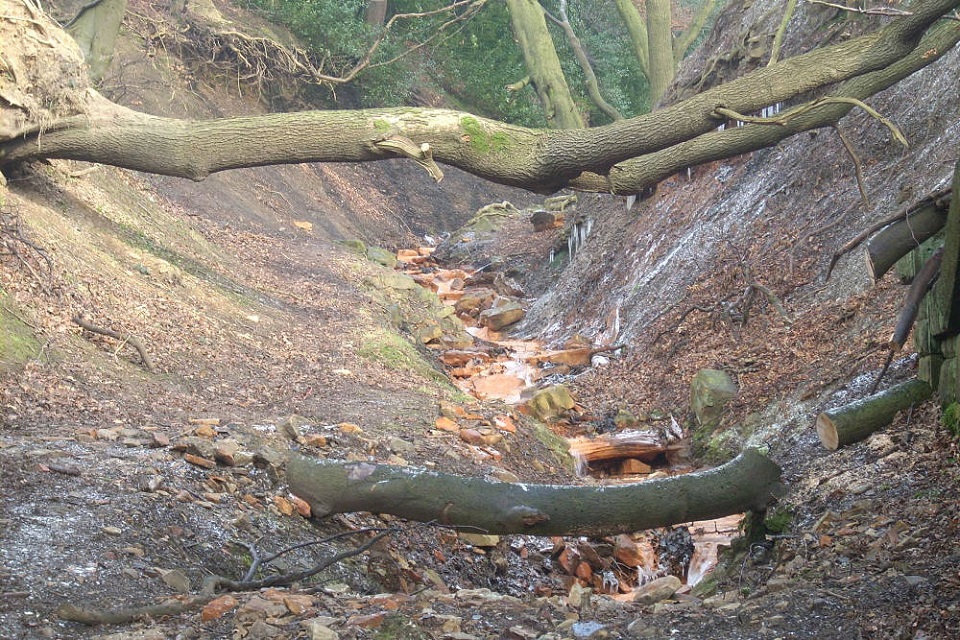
x,y
748,482
133,341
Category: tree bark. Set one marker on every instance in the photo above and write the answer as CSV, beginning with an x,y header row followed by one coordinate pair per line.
x,y
637,29
660,48
855,421
95,29
690,34
947,322
667,141
376,12
540,56
922,221
748,482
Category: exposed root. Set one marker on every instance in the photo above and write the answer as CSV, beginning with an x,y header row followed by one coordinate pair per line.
x,y
133,341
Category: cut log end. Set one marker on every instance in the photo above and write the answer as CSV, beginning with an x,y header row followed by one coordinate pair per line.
x,y
827,431
859,419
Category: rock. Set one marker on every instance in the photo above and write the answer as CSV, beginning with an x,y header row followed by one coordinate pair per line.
x,y
261,630
710,391
176,580
479,539
290,427
481,437
399,445
507,286
259,608
205,431
576,357
270,460
199,461
446,424
657,590
218,607
502,475
544,220
319,628
196,446
626,551
315,440
551,402
634,466
297,604
225,452
393,280
473,301
497,318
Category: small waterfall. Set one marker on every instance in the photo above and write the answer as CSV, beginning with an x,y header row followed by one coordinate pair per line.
x,y
578,235
580,466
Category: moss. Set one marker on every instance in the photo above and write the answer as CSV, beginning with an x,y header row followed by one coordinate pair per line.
x,y
480,140
399,628
777,522
951,419
395,353
382,126
17,342
557,445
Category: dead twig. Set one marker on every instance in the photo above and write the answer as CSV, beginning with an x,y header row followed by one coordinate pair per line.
x,y
133,341
213,584
858,167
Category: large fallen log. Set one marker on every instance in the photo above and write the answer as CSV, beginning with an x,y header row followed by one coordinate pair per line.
x,y
645,445
748,482
855,421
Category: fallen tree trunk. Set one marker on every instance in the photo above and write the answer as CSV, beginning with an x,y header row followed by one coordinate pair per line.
x,y
642,445
920,222
748,482
855,421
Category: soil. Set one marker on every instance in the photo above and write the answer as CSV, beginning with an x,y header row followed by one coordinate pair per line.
x,y
122,488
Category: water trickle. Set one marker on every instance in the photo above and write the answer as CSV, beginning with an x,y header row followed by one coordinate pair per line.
x,y
579,233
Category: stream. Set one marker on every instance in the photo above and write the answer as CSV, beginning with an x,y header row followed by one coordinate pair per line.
x,y
508,370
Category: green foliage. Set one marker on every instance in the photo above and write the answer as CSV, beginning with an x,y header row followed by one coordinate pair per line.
x,y
951,419
605,39
17,342
471,61
778,521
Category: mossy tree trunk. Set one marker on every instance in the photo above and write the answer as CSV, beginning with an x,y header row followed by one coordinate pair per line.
x,y
660,37
746,483
540,56
95,29
623,157
657,50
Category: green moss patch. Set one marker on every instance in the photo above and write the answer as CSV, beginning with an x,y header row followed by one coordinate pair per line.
x,y
17,342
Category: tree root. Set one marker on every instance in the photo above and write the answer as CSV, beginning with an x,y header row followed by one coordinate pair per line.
x,y
133,341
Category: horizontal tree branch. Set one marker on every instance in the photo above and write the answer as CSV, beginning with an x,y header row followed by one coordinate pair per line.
x,y
746,483
670,139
